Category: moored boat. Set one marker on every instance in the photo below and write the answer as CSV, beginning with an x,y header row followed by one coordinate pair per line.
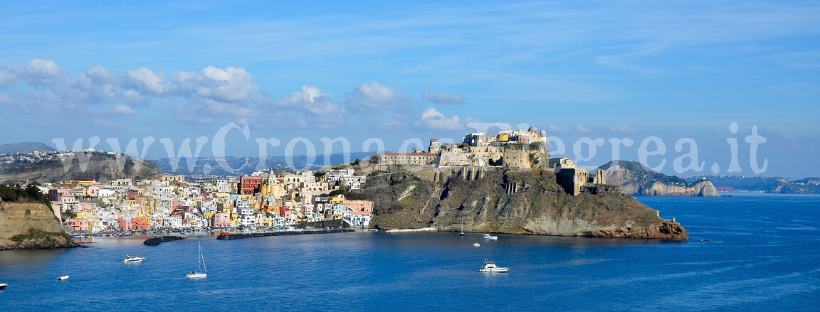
x,y
490,267
199,274
62,277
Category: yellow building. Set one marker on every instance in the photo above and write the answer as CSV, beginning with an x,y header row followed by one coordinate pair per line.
x,y
337,200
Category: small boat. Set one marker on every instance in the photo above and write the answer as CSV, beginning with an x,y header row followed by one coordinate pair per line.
x,y
132,259
476,244
3,286
462,227
62,277
490,237
199,274
224,233
490,267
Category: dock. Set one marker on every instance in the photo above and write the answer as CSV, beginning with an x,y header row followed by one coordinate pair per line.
x,y
282,233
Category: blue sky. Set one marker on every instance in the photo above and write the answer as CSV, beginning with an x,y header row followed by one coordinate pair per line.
x,y
598,69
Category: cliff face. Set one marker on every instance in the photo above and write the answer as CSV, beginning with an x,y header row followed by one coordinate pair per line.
x,y
636,179
31,226
101,167
511,202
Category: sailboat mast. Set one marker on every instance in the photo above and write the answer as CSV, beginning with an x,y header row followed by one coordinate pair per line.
x,y
202,257
199,259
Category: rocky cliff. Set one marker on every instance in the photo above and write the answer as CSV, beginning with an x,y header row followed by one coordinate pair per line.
x,y
510,202
636,179
31,226
101,167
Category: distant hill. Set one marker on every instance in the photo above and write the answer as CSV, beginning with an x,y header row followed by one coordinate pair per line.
x,y
102,167
25,147
247,164
778,185
635,178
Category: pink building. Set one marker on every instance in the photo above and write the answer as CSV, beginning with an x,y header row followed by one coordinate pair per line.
x,y
140,224
93,191
284,212
359,206
77,224
221,220
124,224
55,194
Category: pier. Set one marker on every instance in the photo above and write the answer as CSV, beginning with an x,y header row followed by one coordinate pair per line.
x,y
154,241
283,233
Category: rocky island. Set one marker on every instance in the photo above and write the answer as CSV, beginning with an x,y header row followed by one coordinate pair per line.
x,y
636,179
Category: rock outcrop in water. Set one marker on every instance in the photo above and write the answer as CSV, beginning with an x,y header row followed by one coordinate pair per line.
x,y
636,179
31,226
509,202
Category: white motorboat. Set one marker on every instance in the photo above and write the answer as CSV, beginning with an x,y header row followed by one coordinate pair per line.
x,y
490,237
476,244
132,259
62,277
198,273
490,267
3,286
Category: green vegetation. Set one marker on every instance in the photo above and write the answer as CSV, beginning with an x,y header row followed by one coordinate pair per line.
x,y
29,194
69,214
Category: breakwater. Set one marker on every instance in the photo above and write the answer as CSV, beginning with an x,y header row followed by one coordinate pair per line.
x,y
154,241
427,229
283,233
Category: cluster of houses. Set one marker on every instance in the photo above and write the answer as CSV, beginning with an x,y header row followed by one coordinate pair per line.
x,y
514,149
262,199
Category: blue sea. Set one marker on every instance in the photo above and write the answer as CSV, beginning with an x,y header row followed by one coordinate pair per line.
x,y
755,252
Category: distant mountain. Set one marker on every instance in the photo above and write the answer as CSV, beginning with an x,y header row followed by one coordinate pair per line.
x,y
243,165
635,178
25,147
102,167
763,184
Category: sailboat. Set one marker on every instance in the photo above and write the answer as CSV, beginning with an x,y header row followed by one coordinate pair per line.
x,y
198,273
476,244
462,227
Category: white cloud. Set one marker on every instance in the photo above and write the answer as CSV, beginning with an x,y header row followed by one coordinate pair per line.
x,y
373,98
442,97
39,68
623,128
232,84
433,119
556,129
145,79
581,129
7,78
4,98
40,71
123,110
313,107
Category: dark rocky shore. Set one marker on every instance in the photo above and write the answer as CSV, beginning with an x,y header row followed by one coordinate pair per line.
x,y
249,235
155,241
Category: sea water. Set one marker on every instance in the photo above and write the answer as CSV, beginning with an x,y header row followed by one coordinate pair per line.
x,y
747,252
